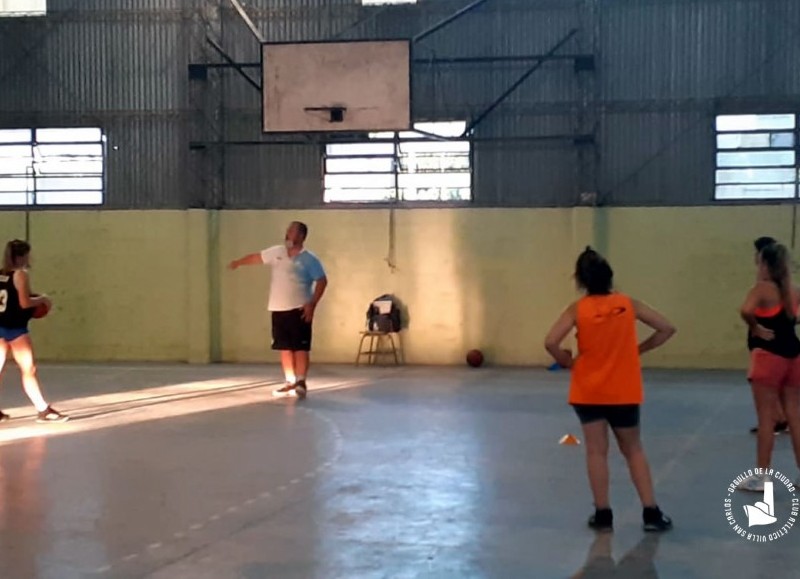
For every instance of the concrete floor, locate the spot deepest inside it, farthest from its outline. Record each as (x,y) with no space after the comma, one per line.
(196,472)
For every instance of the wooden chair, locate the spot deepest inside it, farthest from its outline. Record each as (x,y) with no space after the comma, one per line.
(377,347)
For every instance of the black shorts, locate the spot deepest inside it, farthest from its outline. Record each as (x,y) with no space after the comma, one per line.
(617,415)
(290,331)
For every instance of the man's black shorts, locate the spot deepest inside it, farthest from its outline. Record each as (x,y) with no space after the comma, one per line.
(290,331)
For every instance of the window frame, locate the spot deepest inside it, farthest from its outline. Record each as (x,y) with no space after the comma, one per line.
(34,205)
(396,140)
(794,148)
(32,14)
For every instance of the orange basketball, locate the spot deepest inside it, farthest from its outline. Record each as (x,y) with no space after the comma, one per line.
(40,311)
(474,358)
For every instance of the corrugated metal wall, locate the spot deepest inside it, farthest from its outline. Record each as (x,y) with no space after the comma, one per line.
(664,67)
(117,64)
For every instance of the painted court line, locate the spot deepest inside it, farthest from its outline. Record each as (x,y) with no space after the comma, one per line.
(250,501)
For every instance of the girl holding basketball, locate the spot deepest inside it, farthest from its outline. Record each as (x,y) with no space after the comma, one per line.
(16,309)
(770,310)
(606,388)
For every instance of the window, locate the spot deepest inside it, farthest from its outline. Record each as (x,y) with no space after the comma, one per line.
(51,166)
(23,7)
(431,163)
(757,157)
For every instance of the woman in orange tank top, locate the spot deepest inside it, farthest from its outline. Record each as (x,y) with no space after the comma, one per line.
(606,386)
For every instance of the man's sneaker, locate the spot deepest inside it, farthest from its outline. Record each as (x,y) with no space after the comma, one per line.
(4,417)
(780,428)
(301,389)
(285,390)
(753,484)
(602,520)
(655,521)
(50,414)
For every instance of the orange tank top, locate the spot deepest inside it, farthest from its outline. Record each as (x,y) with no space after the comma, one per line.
(607,370)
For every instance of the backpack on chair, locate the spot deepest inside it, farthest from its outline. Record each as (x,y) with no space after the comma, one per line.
(383,315)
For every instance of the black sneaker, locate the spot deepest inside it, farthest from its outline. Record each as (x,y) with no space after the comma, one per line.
(285,390)
(301,389)
(50,414)
(602,520)
(4,417)
(655,521)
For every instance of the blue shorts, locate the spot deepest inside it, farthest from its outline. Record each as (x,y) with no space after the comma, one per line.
(11,334)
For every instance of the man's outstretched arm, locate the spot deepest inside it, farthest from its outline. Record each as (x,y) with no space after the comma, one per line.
(250,259)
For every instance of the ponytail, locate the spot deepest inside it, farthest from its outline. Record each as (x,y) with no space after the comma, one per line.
(15,250)
(776,258)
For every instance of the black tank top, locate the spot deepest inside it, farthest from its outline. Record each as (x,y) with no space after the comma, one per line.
(786,343)
(11,313)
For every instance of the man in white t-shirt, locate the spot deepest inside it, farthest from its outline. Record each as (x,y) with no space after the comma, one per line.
(298,282)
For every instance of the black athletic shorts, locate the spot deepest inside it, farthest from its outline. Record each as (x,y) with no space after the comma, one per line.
(617,415)
(290,331)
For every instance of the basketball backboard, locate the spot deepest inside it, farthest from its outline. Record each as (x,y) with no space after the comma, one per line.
(336,86)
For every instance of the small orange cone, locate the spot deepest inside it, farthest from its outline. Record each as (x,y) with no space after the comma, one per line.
(569,439)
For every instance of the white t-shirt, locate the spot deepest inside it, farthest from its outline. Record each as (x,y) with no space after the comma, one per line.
(293,278)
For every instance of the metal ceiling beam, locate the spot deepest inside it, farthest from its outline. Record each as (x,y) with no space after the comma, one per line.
(449,20)
(321,140)
(518,58)
(481,117)
(248,22)
(233,64)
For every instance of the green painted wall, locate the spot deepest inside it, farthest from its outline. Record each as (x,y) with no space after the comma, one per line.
(152,285)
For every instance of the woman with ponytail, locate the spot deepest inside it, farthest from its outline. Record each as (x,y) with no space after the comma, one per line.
(16,308)
(606,390)
(770,310)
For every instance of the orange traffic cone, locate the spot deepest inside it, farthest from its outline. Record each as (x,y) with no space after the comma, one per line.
(569,439)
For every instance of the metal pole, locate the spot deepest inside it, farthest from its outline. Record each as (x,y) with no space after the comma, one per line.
(796,185)
(522,59)
(495,59)
(391,254)
(437,27)
(27,202)
(517,84)
(240,9)
(230,61)
(571,138)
